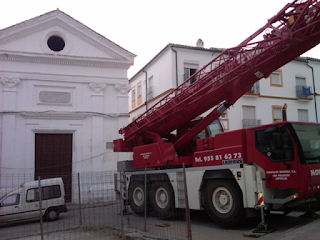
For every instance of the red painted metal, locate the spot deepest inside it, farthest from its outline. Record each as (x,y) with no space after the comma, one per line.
(293,31)
(290,33)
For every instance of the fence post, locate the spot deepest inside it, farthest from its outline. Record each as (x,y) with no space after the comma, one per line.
(122,204)
(80,208)
(126,202)
(145,199)
(40,207)
(189,235)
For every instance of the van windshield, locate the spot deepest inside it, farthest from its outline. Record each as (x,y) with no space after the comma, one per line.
(309,137)
(6,194)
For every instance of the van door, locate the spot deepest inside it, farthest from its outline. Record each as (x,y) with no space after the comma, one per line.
(10,208)
(32,203)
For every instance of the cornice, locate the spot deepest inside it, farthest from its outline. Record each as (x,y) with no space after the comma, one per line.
(55,116)
(65,26)
(63,61)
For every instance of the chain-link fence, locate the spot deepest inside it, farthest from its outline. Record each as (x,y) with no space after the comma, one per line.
(93,205)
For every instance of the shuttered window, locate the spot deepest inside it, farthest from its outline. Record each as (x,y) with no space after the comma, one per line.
(249,112)
(277,113)
(303,115)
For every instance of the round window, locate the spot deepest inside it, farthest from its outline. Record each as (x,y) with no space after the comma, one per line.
(56,43)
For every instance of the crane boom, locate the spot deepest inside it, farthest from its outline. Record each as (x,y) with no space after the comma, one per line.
(287,35)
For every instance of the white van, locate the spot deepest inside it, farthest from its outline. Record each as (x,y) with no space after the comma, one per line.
(23,203)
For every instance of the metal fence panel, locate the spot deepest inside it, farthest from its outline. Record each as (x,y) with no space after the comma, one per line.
(95,210)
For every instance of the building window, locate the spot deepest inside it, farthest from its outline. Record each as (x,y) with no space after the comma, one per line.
(255,89)
(301,81)
(302,90)
(150,88)
(133,97)
(150,81)
(190,68)
(56,43)
(303,115)
(249,117)
(224,120)
(139,93)
(276,78)
(276,113)
(188,72)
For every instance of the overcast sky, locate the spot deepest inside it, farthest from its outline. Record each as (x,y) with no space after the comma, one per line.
(144,27)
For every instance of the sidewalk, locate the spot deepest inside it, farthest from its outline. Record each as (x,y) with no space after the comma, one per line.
(93,233)
(78,234)
(307,232)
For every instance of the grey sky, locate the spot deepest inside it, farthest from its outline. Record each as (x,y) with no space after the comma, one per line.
(144,27)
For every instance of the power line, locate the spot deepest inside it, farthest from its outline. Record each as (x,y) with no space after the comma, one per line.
(60,165)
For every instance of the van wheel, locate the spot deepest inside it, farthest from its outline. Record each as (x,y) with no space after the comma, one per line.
(223,202)
(52,214)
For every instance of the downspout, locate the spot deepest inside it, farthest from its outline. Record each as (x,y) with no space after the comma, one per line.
(177,83)
(314,87)
(146,103)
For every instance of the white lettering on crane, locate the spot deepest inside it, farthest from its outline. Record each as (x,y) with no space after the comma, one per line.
(315,172)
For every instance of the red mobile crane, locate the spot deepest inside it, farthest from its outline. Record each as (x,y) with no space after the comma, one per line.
(280,161)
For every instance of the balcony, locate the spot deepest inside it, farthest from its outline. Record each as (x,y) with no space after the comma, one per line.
(246,123)
(303,92)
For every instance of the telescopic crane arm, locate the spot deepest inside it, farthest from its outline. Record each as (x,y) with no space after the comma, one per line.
(287,35)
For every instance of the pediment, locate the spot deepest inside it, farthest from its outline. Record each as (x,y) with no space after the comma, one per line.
(40,36)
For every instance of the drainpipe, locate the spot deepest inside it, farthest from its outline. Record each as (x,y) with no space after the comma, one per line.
(177,83)
(314,87)
(146,103)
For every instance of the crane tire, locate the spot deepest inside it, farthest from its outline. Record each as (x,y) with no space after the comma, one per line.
(136,194)
(224,203)
(162,200)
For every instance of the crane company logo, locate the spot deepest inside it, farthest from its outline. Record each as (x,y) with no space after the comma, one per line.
(315,172)
(145,155)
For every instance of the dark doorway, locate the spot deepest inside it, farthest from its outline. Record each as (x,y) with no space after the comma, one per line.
(53,158)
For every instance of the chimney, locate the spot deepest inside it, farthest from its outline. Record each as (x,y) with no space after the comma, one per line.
(200,43)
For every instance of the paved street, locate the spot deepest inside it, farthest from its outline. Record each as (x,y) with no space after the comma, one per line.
(286,227)
(102,222)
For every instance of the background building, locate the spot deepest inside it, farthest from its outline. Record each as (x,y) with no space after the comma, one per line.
(63,97)
(294,84)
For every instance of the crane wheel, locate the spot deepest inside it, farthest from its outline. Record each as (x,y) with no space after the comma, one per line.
(162,200)
(223,202)
(136,194)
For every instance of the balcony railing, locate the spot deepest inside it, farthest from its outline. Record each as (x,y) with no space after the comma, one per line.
(250,122)
(303,91)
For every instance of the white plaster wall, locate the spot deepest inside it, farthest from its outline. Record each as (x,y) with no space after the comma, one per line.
(162,74)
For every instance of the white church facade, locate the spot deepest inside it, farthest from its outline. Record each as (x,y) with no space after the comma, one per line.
(63,97)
